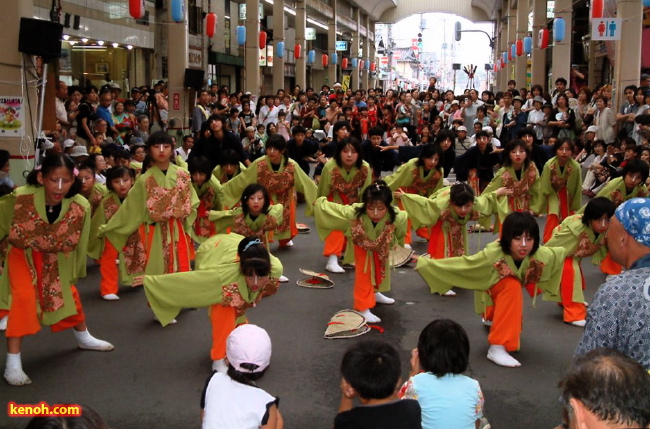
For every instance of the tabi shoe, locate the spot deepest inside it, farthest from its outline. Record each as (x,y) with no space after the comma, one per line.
(383,299)
(500,356)
(171,322)
(220,365)
(88,342)
(283,279)
(14,374)
(110,297)
(370,318)
(3,323)
(449,293)
(289,243)
(486,322)
(579,323)
(333,265)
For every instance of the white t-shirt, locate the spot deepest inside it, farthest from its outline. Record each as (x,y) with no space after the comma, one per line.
(229,404)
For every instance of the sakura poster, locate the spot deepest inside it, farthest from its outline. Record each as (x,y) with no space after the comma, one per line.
(12,117)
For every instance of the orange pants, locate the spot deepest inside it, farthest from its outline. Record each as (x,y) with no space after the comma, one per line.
(436,247)
(552,221)
(364,292)
(335,244)
(23,318)
(609,266)
(506,314)
(108,270)
(223,323)
(573,311)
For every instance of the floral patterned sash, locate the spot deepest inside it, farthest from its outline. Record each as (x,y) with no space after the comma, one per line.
(133,252)
(520,198)
(95,200)
(379,246)
(348,191)
(558,182)
(585,246)
(456,238)
(532,275)
(280,184)
(242,228)
(202,225)
(424,187)
(231,297)
(30,231)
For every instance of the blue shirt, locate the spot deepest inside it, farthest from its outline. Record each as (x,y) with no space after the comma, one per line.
(105,113)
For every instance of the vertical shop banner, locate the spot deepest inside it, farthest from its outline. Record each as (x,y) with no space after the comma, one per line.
(12,117)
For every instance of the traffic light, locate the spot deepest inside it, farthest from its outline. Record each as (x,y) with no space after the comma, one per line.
(420,41)
(457,32)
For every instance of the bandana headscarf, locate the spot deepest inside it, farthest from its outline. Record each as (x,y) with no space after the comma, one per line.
(634,215)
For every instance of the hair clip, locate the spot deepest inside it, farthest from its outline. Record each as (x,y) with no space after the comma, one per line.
(75,172)
(377,185)
(250,243)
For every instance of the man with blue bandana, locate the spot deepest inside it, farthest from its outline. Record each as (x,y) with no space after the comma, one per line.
(619,316)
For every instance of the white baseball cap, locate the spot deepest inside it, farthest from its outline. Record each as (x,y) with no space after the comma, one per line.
(78,151)
(592,129)
(488,130)
(68,143)
(462,128)
(248,349)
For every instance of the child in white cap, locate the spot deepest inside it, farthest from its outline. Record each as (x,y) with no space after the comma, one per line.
(233,400)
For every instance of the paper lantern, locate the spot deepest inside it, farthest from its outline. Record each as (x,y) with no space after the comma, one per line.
(210,24)
(335,58)
(311,57)
(344,63)
(513,52)
(528,45)
(542,39)
(136,8)
(296,50)
(520,47)
(558,29)
(504,58)
(262,39)
(597,8)
(241,35)
(279,50)
(646,3)
(355,63)
(325,59)
(502,65)
(373,66)
(178,10)
(362,64)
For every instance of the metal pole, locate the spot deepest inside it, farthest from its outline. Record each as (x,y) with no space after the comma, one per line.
(39,127)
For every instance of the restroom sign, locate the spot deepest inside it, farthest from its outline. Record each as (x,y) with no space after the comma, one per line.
(606,28)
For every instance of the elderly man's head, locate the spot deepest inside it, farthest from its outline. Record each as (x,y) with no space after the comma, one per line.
(628,238)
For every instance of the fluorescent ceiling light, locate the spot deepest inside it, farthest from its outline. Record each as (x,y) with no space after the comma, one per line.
(317,23)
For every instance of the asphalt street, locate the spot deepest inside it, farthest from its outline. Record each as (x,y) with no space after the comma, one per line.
(155,375)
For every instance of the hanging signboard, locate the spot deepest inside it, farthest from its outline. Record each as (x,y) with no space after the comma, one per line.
(310,33)
(606,29)
(341,45)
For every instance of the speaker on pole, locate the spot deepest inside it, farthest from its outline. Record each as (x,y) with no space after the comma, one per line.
(456,66)
(194,78)
(40,38)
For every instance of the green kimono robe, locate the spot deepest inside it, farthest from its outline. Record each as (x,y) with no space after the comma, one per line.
(217,279)
(132,262)
(223,177)
(96,196)
(210,196)
(280,184)
(71,264)
(427,212)
(579,241)
(146,205)
(336,217)
(526,193)
(332,176)
(486,268)
(414,179)
(552,180)
(262,226)
(616,192)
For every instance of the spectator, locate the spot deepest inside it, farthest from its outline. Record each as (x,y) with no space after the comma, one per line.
(5,167)
(604,119)
(605,389)
(371,371)
(186,147)
(619,316)
(201,112)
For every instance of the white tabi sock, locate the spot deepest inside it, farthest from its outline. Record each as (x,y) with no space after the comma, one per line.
(88,342)
(14,371)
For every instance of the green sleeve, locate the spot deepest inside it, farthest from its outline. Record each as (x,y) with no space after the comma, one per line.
(401,222)
(332,217)
(128,219)
(402,177)
(217,202)
(325,181)
(574,186)
(368,178)
(7,204)
(553,258)
(306,186)
(564,236)
(496,182)
(81,252)
(223,219)
(421,210)
(486,203)
(233,189)
(607,190)
(545,179)
(95,243)
(537,200)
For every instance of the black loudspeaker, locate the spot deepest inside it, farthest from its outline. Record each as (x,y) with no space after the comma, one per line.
(194,78)
(456,66)
(40,38)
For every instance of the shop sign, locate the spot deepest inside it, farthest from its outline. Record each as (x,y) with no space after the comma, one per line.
(195,57)
(341,45)
(242,12)
(177,101)
(269,55)
(262,57)
(310,33)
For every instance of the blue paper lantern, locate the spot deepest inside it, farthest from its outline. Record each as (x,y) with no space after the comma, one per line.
(280,50)
(311,57)
(241,35)
(178,10)
(528,45)
(558,29)
(335,58)
(504,56)
(646,3)
(355,63)
(513,51)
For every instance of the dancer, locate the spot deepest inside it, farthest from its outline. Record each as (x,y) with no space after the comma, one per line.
(232,274)
(253,217)
(375,226)
(91,190)
(582,235)
(282,177)
(208,189)
(499,271)
(47,225)
(423,176)
(119,181)
(342,181)
(560,186)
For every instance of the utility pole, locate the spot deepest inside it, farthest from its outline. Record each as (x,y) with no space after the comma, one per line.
(389,51)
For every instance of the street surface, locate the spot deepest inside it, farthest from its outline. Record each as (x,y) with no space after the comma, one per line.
(155,375)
